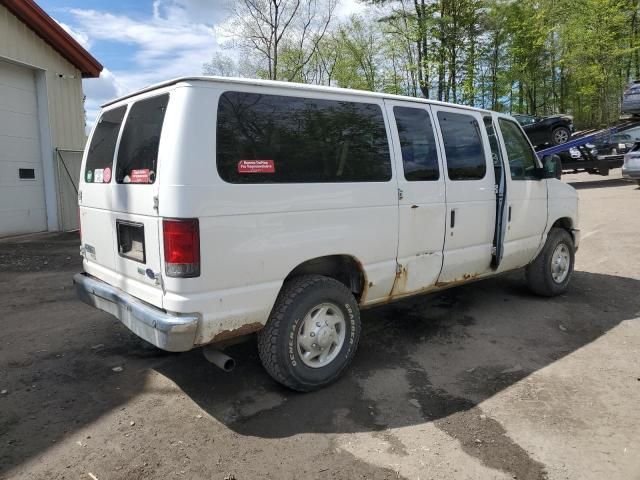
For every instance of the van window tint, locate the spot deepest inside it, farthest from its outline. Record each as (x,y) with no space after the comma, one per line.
(462,146)
(138,151)
(280,139)
(103,146)
(522,161)
(417,142)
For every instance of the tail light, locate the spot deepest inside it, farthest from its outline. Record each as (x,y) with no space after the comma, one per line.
(181,247)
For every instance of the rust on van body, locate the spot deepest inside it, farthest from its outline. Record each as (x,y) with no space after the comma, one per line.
(238,332)
(398,290)
(400,282)
(457,281)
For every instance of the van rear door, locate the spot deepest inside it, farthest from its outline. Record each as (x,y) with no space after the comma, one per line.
(118,203)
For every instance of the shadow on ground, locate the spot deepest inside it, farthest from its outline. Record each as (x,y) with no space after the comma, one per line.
(428,359)
(455,331)
(602,183)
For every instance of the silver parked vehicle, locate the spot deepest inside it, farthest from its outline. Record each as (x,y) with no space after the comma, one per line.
(631,98)
(631,166)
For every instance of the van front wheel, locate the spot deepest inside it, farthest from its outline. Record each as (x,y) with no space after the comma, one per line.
(312,333)
(550,272)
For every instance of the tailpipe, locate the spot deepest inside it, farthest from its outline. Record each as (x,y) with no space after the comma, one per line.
(219,359)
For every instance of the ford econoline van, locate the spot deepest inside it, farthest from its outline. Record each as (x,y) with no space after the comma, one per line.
(216,208)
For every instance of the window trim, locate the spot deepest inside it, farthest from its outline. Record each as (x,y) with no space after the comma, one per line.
(310,95)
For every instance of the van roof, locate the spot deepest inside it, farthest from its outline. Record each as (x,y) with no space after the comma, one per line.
(287,85)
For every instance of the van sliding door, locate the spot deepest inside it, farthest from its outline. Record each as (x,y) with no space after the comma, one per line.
(422,206)
(471,200)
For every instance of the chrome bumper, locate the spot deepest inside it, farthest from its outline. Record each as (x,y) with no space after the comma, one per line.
(169,332)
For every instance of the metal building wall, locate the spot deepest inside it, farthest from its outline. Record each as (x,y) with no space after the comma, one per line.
(62,85)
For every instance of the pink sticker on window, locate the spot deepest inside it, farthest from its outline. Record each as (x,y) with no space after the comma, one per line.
(140,176)
(106,175)
(256,166)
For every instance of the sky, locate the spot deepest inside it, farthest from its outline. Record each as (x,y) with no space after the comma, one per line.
(142,42)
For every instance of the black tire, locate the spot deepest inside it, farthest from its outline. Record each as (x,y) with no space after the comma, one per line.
(277,341)
(539,274)
(558,133)
(603,168)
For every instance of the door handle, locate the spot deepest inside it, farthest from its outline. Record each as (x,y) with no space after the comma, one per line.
(453,218)
(509,215)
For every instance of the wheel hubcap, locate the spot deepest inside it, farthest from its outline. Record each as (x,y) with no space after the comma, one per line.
(321,335)
(560,263)
(561,136)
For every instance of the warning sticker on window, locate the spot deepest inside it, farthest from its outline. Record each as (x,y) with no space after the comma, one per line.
(139,176)
(256,166)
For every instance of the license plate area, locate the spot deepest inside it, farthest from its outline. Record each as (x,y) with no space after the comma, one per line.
(131,240)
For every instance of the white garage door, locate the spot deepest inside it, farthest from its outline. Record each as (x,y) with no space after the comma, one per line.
(22,203)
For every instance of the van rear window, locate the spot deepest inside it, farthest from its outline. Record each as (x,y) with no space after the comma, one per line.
(138,151)
(103,146)
(281,139)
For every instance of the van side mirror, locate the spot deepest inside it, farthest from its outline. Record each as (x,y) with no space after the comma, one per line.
(551,166)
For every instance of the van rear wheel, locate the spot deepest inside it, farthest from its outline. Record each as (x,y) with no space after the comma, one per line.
(551,271)
(312,333)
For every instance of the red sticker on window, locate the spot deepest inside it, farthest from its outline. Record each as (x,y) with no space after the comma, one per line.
(140,176)
(106,175)
(256,166)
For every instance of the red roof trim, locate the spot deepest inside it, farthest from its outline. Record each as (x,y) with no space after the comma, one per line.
(52,33)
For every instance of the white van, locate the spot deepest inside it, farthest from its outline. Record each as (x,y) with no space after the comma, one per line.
(214,208)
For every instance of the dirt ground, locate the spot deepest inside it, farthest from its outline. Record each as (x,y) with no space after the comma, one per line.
(484,381)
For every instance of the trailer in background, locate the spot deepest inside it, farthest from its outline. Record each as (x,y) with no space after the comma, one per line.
(584,142)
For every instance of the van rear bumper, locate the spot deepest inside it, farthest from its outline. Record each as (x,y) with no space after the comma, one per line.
(168,332)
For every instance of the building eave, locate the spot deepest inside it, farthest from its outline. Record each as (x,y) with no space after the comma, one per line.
(51,32)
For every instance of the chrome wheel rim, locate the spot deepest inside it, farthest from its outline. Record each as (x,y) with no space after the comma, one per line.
(560,263)
(561,136)
(321,335)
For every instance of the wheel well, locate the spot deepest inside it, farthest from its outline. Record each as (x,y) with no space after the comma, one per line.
(343,268)
(565,223)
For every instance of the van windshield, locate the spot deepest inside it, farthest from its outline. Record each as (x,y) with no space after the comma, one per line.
(103,146)
(138,151)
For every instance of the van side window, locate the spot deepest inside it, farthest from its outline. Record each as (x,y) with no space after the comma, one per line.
(282,139)
(522,161)
(417,142)
(103,145)
(138,151)
(462,146)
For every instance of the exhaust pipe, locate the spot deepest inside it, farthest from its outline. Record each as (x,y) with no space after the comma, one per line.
(219,359)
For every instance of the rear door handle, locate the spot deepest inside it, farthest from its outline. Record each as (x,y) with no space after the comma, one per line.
(453,218)
(509,216)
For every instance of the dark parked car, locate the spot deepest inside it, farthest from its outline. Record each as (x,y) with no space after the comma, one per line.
(631,98)
(556,129)
(617,144)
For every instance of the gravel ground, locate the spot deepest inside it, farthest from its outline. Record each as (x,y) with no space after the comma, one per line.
(484,381)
